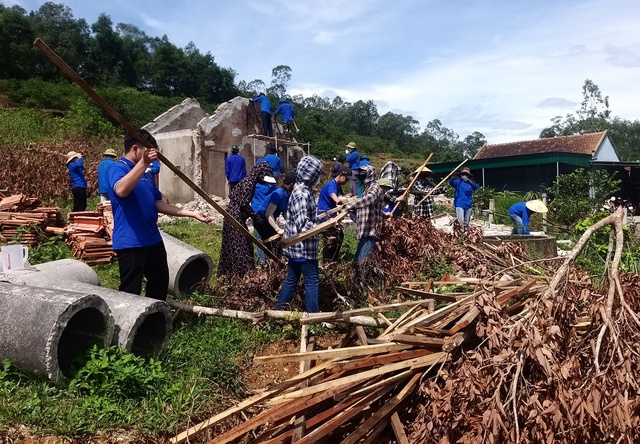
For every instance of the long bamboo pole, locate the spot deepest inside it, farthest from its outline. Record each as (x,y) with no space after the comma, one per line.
(441,182)
(401,198)
(102,103)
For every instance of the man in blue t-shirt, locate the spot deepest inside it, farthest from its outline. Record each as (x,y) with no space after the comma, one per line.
(75,165)
(330,198)
(136,201)
(265,113)
(235,168)
(288,114)
(275,162)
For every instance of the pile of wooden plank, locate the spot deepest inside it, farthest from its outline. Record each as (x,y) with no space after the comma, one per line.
(354,393)
(89,237)
(22,217)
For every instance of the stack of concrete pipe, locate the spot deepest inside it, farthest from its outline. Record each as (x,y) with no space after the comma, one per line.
(56,292)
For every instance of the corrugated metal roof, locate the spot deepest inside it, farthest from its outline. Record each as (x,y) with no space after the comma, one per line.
(578,144)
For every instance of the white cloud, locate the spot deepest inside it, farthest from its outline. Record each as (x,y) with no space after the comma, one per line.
(152,22)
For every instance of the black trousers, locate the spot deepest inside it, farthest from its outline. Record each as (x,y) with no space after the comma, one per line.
(265,230)
(79,199)
(150,262)
(267,129)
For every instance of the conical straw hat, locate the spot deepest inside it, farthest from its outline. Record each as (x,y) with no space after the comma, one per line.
(537,205)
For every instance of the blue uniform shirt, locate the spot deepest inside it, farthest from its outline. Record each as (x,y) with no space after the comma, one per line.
(261,195)
(76,173)
(325,203)
(280,198)
(103,179)
(135,217)
(463,197)
(235,168)
(287,111)
(354,160)
(276,164)
(265,104)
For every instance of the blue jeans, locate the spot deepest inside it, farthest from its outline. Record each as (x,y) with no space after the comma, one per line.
(308,269)
(363,254)
(464,216)
(519,226)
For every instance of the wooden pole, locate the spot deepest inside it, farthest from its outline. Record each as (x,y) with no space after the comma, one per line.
(441,182)
(401,198)
(55,58)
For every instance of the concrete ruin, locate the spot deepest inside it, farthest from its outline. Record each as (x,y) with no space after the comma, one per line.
(198,145)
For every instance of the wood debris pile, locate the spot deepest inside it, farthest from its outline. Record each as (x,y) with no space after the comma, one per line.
(24,219)
(533,353)
(89,234)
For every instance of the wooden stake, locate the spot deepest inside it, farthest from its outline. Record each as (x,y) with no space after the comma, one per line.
(134,132)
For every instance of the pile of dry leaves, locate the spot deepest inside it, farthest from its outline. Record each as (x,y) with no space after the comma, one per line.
(564,370)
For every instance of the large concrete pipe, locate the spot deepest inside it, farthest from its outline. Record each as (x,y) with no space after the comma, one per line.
(43,331)
(188,266)
(142,325)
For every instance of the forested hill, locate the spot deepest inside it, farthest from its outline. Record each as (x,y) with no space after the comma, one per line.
(142,76)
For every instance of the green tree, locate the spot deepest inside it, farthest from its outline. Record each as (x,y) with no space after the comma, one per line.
(136,57)
(280,78)
(106,55)
(168,67)
(16,37)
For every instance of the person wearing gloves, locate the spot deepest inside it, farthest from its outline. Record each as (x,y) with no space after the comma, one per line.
(421,187)
(263,190)
(136,202)
(236,252)
(110,157)
(276,204)
(329,198)
(265,113)
(521,212)
(368,213)
(464,187)
(302,256)
(353,159)
(235,168)
(75,166)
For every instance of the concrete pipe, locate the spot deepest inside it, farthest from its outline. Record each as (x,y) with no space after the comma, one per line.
(142,325)
(43,331)
(188,266)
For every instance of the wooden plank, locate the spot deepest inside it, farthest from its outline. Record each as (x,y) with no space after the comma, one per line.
(362,336)
(465,321)
(441,182)
(268,393)
(300,422)
(416,340)
(373,361)
(416,363)
(504,297)
(384,412)
(404,195)
(288,241)
(348,352)
(427,294)
(398,429)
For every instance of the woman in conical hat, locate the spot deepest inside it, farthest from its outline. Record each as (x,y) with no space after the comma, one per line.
(521,212)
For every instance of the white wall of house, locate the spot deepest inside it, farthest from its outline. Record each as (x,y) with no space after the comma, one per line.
(606,153)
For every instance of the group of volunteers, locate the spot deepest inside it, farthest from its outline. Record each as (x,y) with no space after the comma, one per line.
(284,109)
(263,194)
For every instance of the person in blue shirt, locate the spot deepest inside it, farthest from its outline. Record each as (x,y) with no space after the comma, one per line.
(521,212)
(329,198)
(353,159)
(110,157)
(235,168)
(154,169)
(270,208)
(364,160)
(288,114)
(275,162)
(263,190)
(136,202)
(464,187)
(75,165)
(265,112)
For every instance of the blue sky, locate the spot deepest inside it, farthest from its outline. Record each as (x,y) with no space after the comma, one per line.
(503,68)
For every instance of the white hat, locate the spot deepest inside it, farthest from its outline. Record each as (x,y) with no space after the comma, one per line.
(71,155)
(537,205)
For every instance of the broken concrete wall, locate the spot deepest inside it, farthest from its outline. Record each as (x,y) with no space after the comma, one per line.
(198,145)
